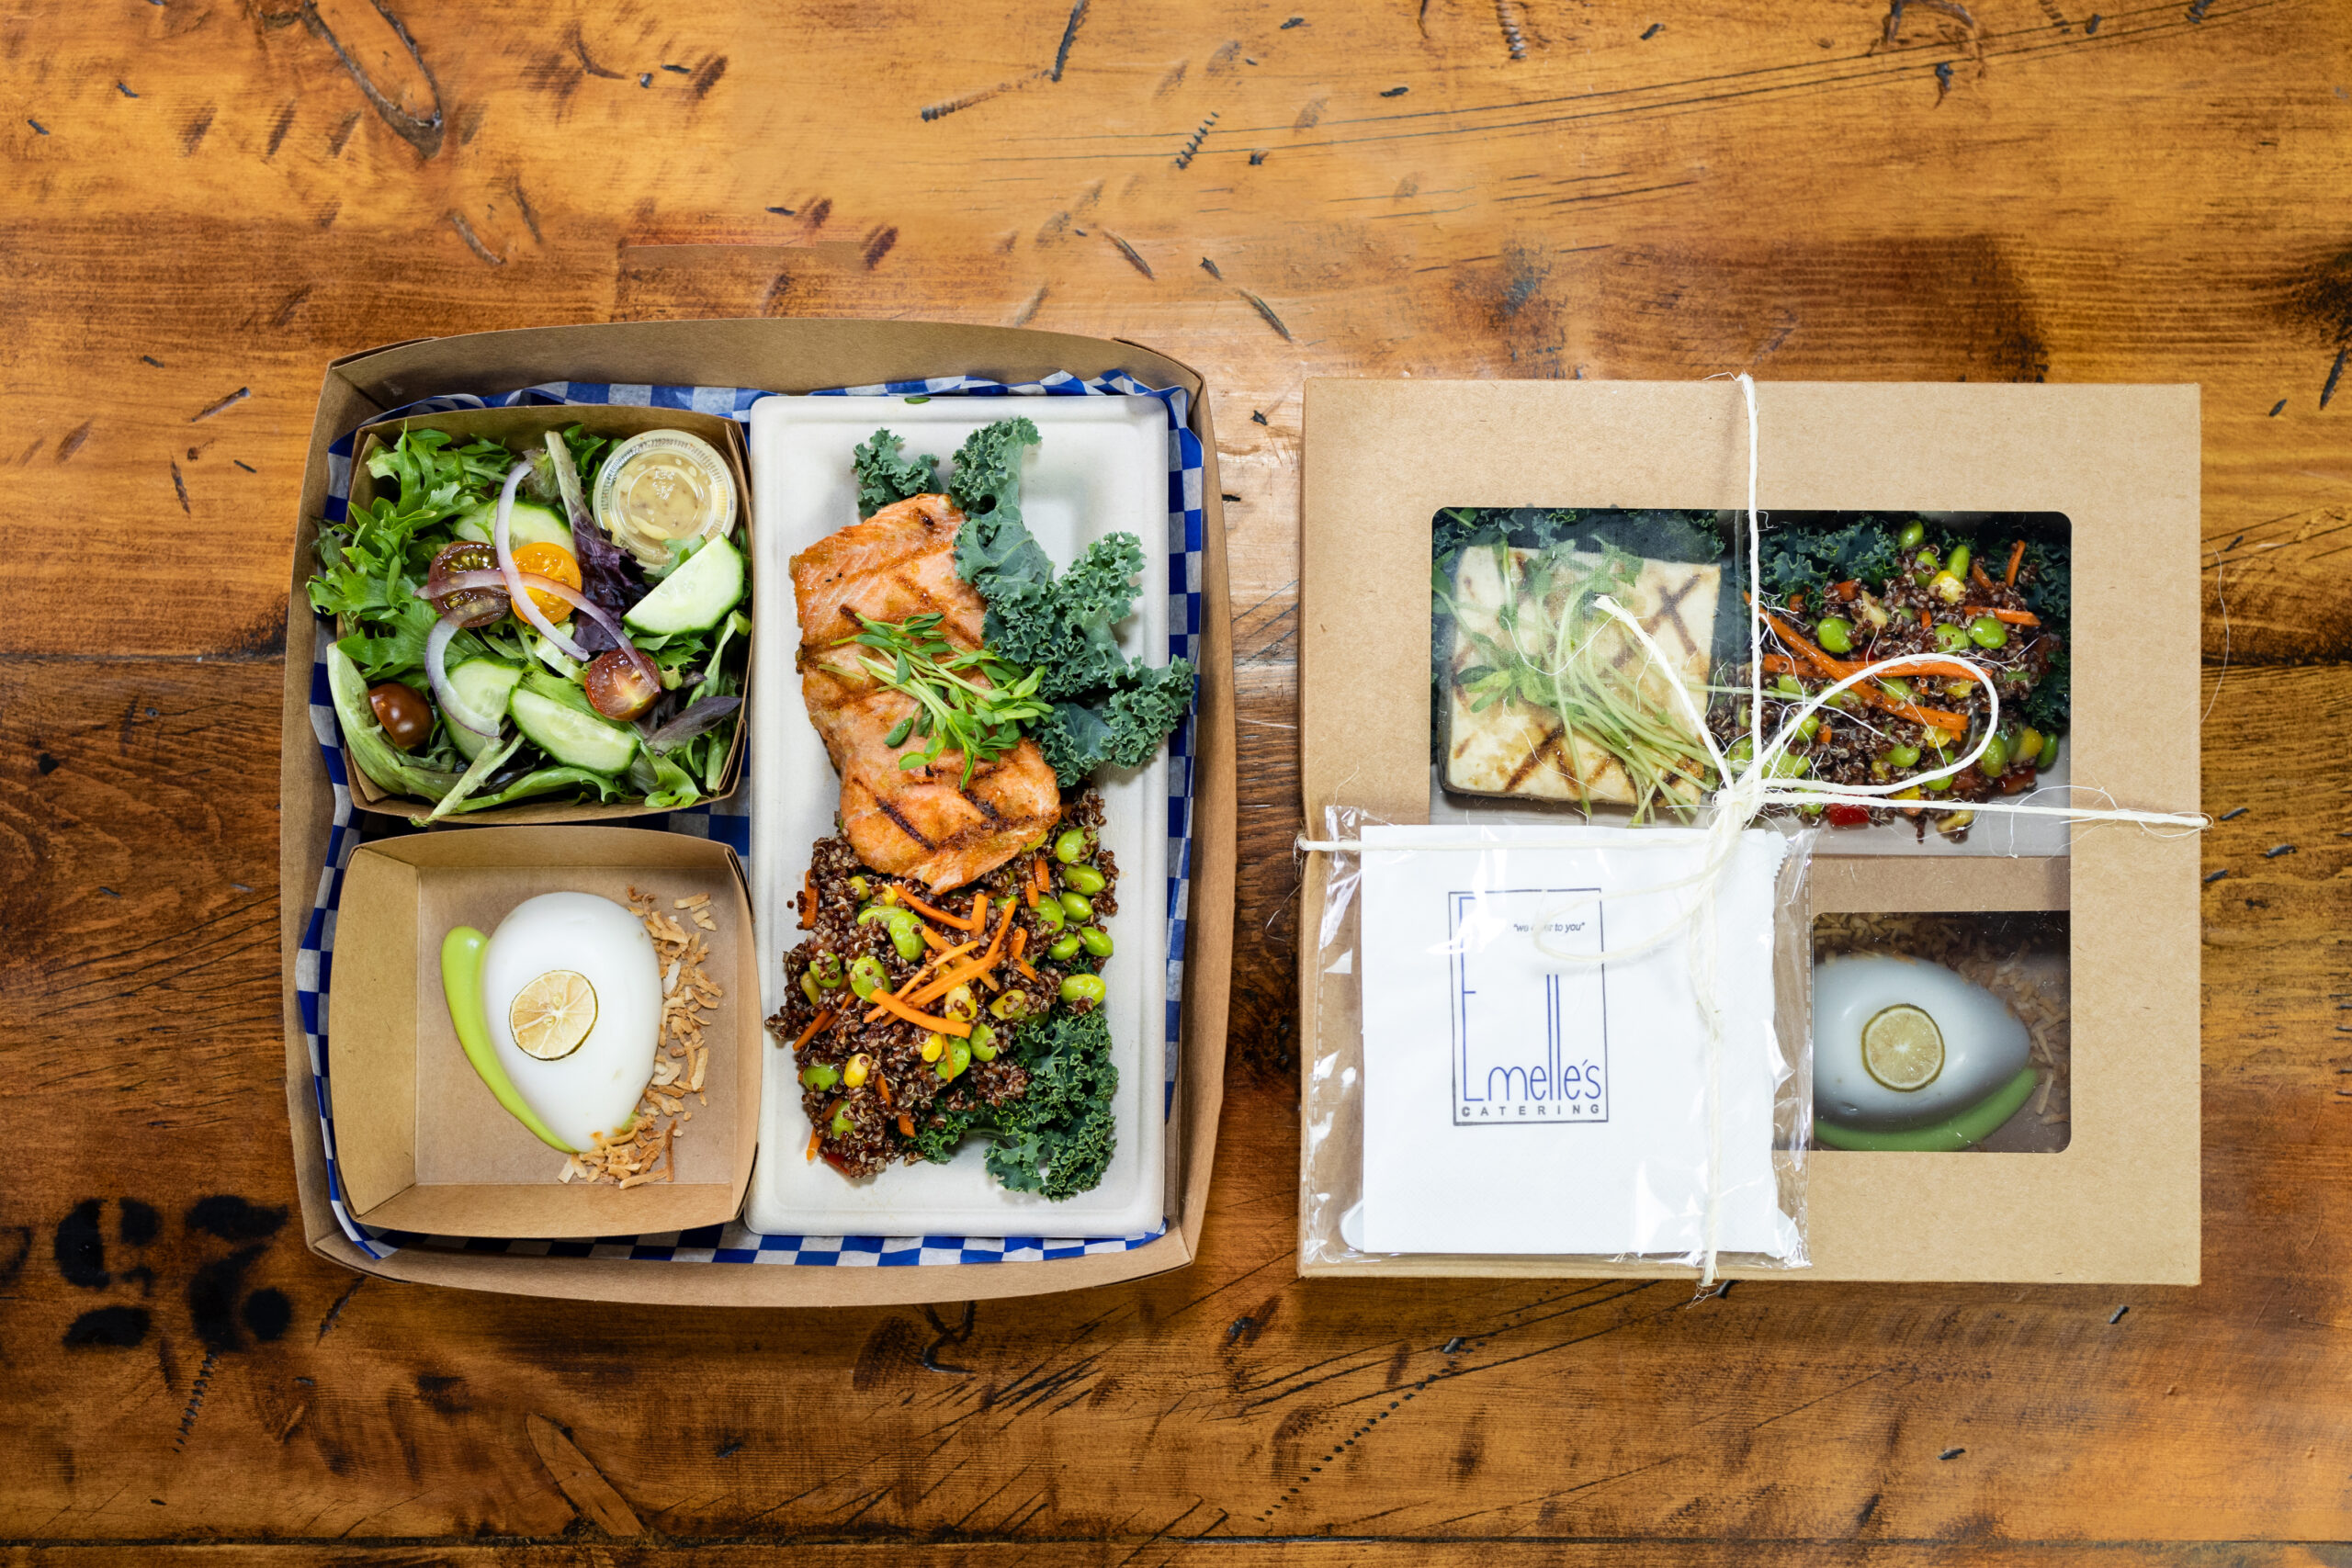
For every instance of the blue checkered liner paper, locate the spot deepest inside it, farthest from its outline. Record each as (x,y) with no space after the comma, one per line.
(727,822)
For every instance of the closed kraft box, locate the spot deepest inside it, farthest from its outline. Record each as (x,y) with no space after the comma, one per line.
(2120,1202)
(783,356)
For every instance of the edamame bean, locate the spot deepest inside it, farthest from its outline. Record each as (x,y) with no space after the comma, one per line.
(1936,787)
(1899,689)
(1065,948)
(1809,726)
(1912,534)
(1084,989)
(1070,846)
(958,1058)
(1927,560)
(821,1077)
(1947,588)
(1995,760)
(1789,685)
(1986,631)
(1078,905)
(842,1122)
(808,988)
(1012,1007)
(1049,914)
(865,976)
(1958,565)
(1951,639)
(1084,879)
(906,938)
(2029,747)
(1096,940)
(983,1043)
(828,971)
(1902,756)
(1835,634)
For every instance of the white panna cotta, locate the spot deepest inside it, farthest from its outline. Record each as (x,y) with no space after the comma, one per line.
(572,992)
(1899,1042)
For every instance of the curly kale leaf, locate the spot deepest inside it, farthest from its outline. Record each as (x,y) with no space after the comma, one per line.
(987,469)
(1074,743)
(1065,627)
(884,477)
(2050,703)
(1123,728)
(1058,1138)
(936,1139)
(1805,560)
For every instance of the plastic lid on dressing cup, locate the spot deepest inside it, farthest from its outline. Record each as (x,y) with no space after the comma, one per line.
(662,490)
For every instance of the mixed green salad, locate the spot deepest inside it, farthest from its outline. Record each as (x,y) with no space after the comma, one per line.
(498,645)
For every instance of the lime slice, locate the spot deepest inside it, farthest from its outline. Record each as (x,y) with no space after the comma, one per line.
(553,1014)
(1902,1047)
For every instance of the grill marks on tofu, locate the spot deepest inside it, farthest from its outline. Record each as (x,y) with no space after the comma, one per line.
(924,823)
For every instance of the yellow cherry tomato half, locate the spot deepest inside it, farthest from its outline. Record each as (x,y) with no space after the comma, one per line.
(555,563)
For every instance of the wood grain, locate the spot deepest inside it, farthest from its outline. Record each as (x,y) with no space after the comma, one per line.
(205,203)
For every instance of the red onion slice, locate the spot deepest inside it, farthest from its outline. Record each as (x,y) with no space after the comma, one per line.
(461,582)
(514,576)
(453,707)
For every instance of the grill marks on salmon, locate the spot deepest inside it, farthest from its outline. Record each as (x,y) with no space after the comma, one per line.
(921,823)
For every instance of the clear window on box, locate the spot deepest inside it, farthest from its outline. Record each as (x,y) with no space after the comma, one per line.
(1542,703)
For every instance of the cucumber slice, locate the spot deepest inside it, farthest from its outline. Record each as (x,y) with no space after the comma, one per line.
(530,526)
(483,685)
(696,596)
(572,736)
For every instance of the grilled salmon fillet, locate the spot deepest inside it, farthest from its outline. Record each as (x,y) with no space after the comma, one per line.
(919,822)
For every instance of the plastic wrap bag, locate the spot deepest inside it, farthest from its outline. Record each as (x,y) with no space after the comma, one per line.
(1682,1127)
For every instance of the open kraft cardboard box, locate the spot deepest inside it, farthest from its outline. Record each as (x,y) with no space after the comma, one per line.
(422,1144)
(2120,1202)
(524,428)
(782,355)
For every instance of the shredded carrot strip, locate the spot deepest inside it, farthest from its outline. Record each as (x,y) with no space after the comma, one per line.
(906,1125)
(1796,603)
(884,1085)
(938,944)
(807,899)
(1043,875)
(824,1021)
(942,916)
(1847,589)
(1774,664)
(1976,575)
(1030,892)
(815,1139)
(997,944)
(1023,965)
(957,1027)
(980,913)
(906,986)
(1926,619)
(2015,617)
(1020,940)
(2017,559)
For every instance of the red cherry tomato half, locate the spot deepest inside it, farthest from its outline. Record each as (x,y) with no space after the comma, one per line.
(407,719)
(618,686)
(1842,814)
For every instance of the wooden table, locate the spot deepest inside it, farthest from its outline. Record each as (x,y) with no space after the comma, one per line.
(204,202)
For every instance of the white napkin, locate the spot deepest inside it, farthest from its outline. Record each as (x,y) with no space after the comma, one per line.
(1518,1104)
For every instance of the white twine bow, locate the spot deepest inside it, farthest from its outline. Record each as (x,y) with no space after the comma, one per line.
(1742,797)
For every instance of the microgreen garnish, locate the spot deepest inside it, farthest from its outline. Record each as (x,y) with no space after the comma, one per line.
(967,700)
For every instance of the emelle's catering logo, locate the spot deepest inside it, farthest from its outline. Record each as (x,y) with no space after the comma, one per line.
(1531,1042)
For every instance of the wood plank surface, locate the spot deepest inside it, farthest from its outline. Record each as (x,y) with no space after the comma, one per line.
(204,203)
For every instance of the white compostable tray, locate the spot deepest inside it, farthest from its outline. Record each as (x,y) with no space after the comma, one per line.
(1100,468)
